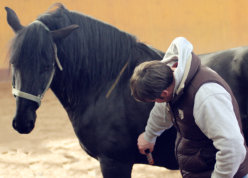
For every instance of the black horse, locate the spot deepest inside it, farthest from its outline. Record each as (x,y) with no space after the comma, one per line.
(82,63)
(82,58)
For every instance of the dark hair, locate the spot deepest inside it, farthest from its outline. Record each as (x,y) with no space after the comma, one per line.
(150,79)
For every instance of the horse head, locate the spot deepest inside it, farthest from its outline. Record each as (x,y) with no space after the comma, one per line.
(34,61)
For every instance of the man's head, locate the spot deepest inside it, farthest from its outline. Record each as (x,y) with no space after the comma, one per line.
(152,81)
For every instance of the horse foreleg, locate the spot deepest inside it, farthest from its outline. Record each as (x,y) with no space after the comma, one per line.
(112,168)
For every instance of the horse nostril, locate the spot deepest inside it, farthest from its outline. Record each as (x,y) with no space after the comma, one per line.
(14,124)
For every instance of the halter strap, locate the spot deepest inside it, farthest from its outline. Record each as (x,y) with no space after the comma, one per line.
(56,57)
(28,96)
(54,45)
(38,98)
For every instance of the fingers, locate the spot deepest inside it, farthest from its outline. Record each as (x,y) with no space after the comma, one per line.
(145,149)
(142,148)
(144,145)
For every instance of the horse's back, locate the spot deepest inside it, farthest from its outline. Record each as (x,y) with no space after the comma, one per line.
(232,66)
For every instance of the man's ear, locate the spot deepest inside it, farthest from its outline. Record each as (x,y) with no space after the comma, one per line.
(164,94)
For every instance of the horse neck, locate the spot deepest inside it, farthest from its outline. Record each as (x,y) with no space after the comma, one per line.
(66,91)
(75,90)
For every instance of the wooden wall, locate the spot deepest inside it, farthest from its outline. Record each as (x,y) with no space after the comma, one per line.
(209,24)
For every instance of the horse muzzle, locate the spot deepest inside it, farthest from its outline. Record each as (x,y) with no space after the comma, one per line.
(24,125)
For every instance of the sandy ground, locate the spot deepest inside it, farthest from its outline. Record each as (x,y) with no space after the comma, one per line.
(51,150)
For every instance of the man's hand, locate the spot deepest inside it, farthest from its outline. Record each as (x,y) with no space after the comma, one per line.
(144,145)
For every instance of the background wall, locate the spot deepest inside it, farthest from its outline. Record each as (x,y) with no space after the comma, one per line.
(209,24)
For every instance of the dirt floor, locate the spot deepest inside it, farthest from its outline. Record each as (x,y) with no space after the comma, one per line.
(51,150)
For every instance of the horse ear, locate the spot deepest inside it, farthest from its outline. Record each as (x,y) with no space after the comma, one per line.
(63,32)
(13,20)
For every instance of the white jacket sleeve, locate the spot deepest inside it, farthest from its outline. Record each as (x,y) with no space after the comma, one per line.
(213,112)
(158,121)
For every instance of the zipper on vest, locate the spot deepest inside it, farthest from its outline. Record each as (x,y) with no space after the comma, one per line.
(178,140)
(175,116)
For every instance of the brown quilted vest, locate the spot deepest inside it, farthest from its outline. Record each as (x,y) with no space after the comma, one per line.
(195,152)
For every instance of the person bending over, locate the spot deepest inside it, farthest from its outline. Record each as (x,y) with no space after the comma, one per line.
(200,105)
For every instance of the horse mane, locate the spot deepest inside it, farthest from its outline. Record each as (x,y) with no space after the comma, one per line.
(98,50)
(95,52)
